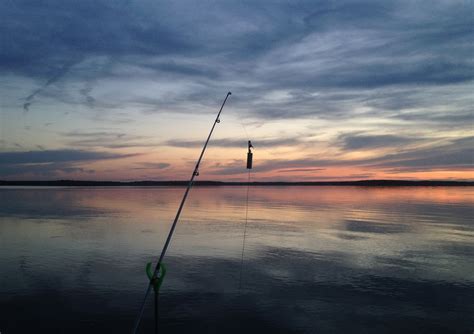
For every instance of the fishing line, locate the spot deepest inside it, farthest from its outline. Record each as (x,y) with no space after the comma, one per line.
(245,231)
(243,127)
(249,167)
(246,203)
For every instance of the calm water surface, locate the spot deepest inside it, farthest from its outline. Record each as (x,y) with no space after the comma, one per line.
(317,260)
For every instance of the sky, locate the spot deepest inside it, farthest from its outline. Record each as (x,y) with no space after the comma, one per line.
(326,90)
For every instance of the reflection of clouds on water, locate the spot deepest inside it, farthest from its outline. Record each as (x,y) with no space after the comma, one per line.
(38,203)
(286,291)
(317,259)
(375,227)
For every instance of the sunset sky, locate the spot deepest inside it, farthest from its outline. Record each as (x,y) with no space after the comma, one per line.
(326,90)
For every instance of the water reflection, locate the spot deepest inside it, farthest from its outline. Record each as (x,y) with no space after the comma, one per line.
(317,260)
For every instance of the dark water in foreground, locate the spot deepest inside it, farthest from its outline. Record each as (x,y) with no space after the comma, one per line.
(317,260)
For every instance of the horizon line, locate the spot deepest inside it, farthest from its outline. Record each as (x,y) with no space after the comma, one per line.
(367,182)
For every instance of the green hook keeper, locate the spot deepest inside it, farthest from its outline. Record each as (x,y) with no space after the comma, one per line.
(156,281)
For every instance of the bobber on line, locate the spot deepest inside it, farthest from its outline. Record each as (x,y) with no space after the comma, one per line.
(249,156)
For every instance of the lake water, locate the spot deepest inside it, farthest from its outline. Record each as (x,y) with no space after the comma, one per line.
(316,260)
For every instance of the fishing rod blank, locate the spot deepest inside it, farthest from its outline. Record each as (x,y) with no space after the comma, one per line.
(178,213)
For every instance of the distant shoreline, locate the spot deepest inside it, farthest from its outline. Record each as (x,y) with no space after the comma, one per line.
(362,183)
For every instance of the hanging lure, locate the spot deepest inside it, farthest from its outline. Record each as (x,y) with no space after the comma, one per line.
(249,156)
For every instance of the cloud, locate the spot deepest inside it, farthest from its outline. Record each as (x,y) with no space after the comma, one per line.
(50,162)
(385,74)
(292,170)
(60,72)
(152,165)
(48,156)
(367,142)
(106,139)
(258,48)
(91,27)
(237,143)
(445,155)
(269,165)
(456,154)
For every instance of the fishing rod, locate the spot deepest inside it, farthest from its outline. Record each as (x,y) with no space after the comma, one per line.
(155,280)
